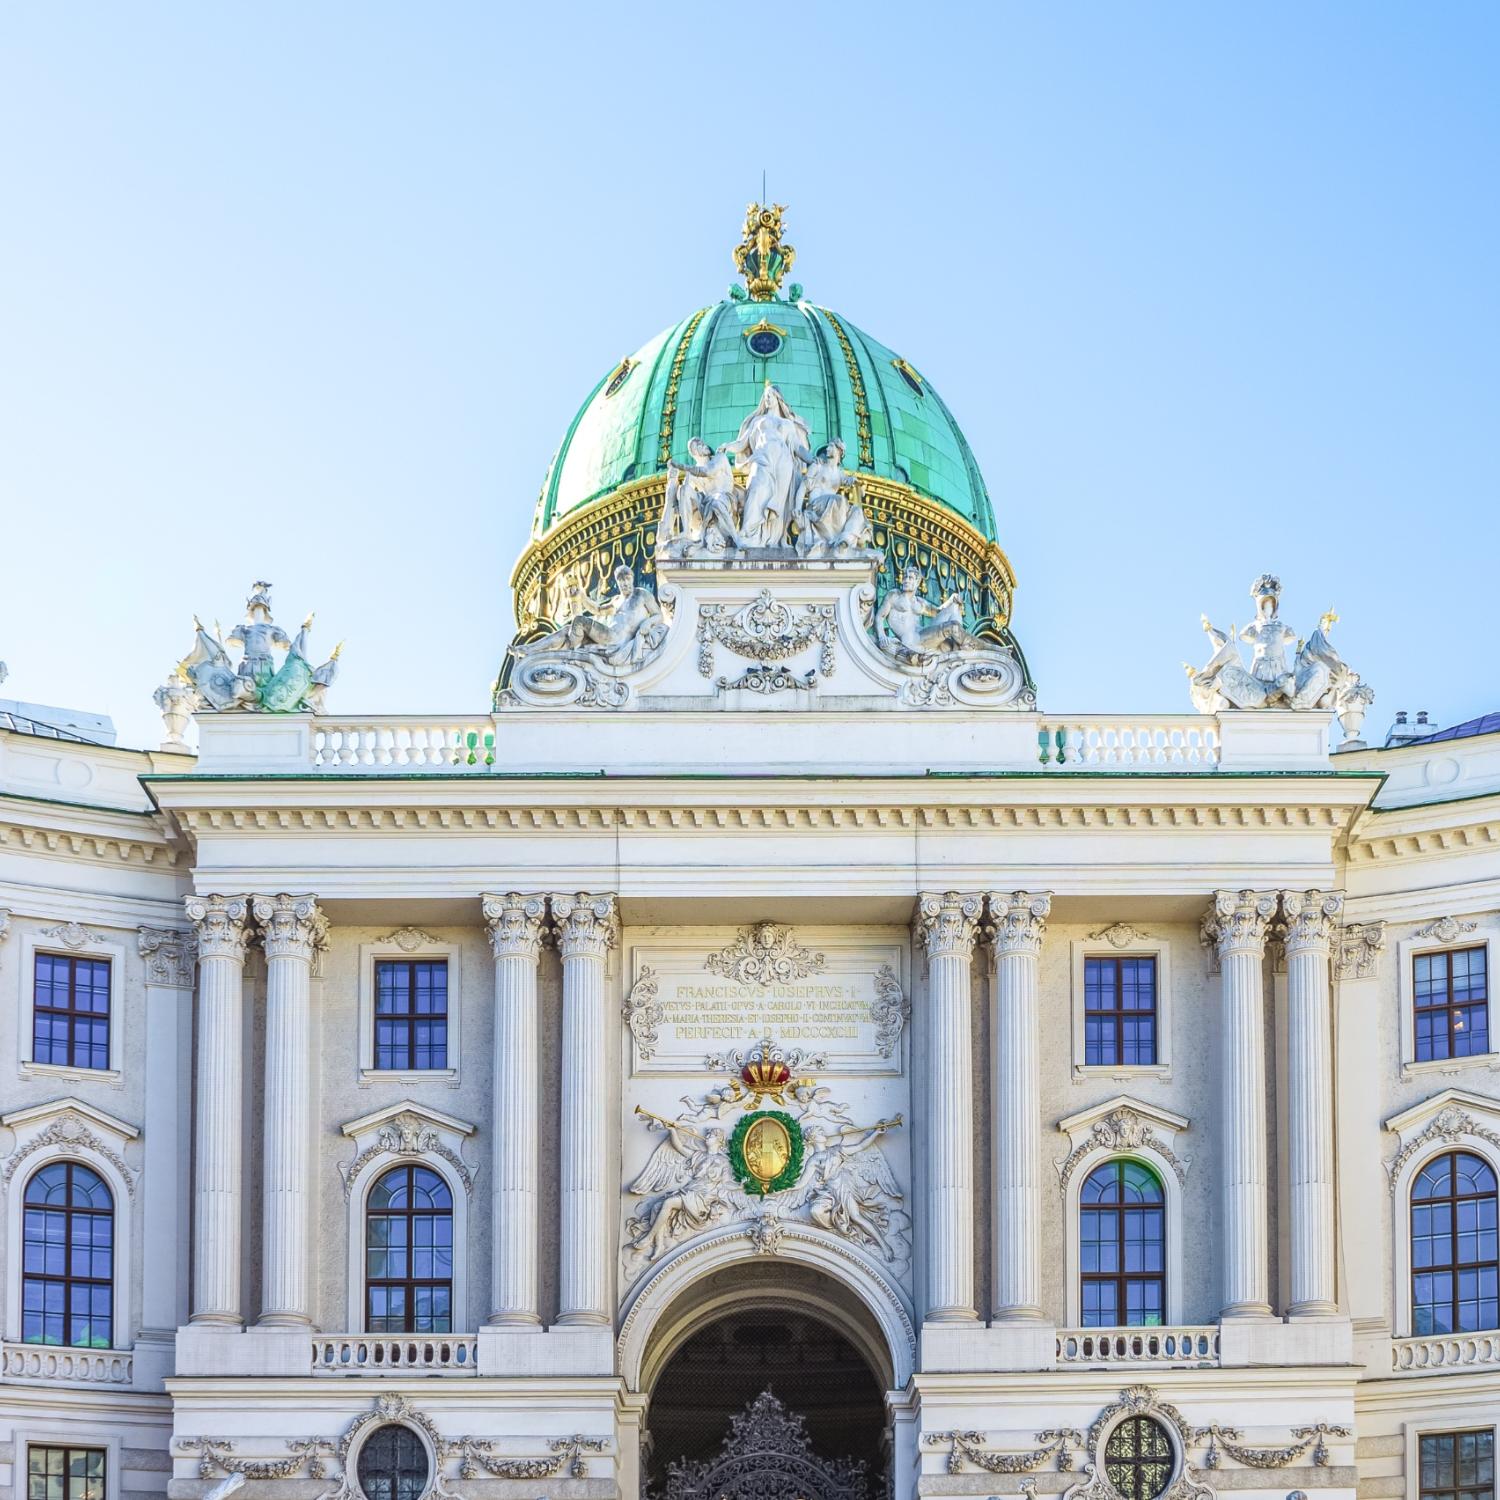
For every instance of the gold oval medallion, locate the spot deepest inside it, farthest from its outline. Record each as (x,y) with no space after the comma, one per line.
(768,1149)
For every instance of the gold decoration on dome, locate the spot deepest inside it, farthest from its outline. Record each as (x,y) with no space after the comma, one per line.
(857,385)
(761,257)
(674,381)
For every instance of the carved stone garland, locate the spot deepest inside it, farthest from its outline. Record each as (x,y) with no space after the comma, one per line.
(68,1131)
(968,1447)
(216,1455)
(891,1010)
(766,630)
(407,1135)
(1121,1130)
(478,1453)
(1450,1126)
(642,1014)
(1223,1440)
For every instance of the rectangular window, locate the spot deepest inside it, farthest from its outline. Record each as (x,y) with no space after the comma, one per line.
(1450,994)
(411,1015)
(64,1473)
(70,1011)
(1119,1012)
(1458,1466)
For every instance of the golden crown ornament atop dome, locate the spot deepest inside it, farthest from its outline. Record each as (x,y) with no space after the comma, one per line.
(760,257)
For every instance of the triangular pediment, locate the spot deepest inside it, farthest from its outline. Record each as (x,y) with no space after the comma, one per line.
(1083,1122)
(392,1115)
(36,1115)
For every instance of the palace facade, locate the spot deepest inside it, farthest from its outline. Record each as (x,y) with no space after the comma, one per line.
(765,1054)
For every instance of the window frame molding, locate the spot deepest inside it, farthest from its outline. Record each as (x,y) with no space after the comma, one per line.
(357,1447)
(25,1437)
(429,949)
(1423,1137)
(95,946)
(1409,949)
(377,1153)
(1133,944)
(1434,1424)
(83,1148)
(1090,1146)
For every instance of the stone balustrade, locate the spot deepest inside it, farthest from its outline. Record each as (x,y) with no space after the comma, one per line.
(404,743)
(1462,1351)
(66,1365)
(396,1354)
(1116,742)
(1138,1346)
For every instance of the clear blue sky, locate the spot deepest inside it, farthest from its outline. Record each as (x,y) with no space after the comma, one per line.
(309,292)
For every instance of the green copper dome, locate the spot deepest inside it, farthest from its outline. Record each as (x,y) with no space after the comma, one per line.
(703,376)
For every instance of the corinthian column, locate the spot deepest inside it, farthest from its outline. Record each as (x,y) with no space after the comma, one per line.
(946,927)
(1311,918)
(586,929)
(515,926)
(293,929)
(1018,918)
(220,924)
(1237,928)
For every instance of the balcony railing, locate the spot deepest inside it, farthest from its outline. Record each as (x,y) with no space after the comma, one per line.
(1461,1351)
(403,744)
(52,1362)
(1138,1346)
(395,1354)
(1120,742)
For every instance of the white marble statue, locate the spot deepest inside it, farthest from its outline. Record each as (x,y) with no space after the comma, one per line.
(773,442)
(909,627)
(688,1184)
(701,515)
(618,631)
(831,516)
(852,1191)
(1318,677)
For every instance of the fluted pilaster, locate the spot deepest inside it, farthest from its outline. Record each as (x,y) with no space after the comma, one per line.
(587,928)
(516,925)
(946,928)
(1018,919)
(292,930)
(220,924)
(1310,920)
(1236,927)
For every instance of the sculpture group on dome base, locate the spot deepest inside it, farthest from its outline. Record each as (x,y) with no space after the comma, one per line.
(1318,677)
(274,673)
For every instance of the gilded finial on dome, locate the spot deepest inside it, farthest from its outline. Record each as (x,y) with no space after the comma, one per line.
(761,257)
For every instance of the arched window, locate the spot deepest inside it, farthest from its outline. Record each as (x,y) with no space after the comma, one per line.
(1455,1262)
(409,1253)
(393,1464)
(1122,1231)
(68,1258)
(1138,1458)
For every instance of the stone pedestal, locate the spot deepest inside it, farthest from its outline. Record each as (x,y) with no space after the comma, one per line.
(516,924)
(946,928)
(220,923)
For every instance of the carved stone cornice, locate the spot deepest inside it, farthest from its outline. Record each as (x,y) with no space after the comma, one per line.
(1357,946)
(1309,920)
(222,925)
(169,953)
(1018,920)
(1238,922)
(947,925)
(587,926)
(516,924)
(291,926)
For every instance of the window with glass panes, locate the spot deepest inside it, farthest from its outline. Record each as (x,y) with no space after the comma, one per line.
(1457,1466)
(56,1473)
(1455,1255)
(1138,1458)
(409,1253)
(1122,1223)
(67,1258)
(393,1464)
(1119,1011)
(1451,999)
(70,1011)
(411,1014)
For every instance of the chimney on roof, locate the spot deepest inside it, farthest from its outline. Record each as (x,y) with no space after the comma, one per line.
(1401,731)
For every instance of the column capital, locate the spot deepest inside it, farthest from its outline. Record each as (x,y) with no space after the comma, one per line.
(1309,920)
(516,924)
(169,954)
(948,923)
(1018,919)
(222,924)
(291,926)
(1237,922)
(1358,943)
(587,926)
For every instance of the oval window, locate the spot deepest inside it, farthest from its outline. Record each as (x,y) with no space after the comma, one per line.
(1138,1458)
(393,1464)
(764,342)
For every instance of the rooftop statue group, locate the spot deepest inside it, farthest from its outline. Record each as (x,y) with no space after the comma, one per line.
(206,678)
(1318,676)
(767,492)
